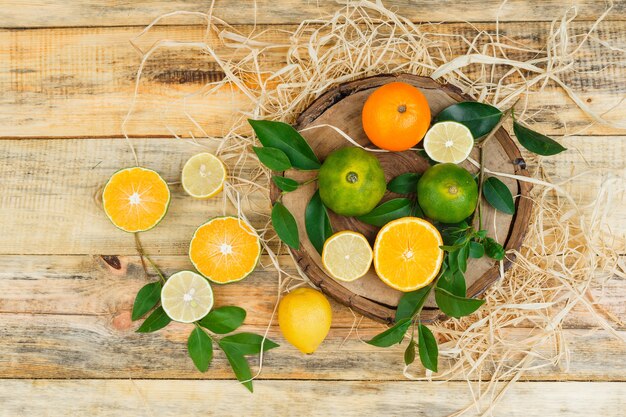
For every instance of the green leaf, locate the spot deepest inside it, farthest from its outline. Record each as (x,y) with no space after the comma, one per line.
(387,211)
(409,353)
(248,343)
(317,222)
(284,137)
(416,210)
(224,319)
(493,249)
(479,118)
(455,306)
(392,335)
(411,302)
(451,248)
(429,351)
(476,249)
(453,282)
(481,234)
(146,299)
(200,348)
(285,184)
(536,142)
(498,195)
(453,257)
(462,255)
(155,321)
(273,158)
(239,364)
(404,183)
(285,225)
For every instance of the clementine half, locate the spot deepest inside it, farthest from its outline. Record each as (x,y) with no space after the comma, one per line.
(396,116)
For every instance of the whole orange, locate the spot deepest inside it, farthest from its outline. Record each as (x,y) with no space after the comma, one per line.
(396,116)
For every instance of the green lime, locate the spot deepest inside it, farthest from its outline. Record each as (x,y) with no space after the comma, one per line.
(447,193)
(351,182)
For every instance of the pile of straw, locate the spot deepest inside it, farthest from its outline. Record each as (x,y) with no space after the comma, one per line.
(569,249)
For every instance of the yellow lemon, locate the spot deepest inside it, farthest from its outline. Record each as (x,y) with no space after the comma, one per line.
(304,317)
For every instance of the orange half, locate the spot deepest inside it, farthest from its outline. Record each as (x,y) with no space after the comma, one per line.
(407,253)
(225,249)
(136,199)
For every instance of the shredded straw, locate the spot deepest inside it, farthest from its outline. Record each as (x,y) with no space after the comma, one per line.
(569,250)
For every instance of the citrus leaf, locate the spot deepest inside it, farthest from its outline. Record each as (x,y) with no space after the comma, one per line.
(493,249)
(453,260)
(404,183)
(409,353)
(317,222)
(155,321)
(248,343)
(285,225)
(416,210)
(455,306)
(428,349)
(453,282)
(273,158)
(536,142)
(392,335)
(146,299)
(284,137)
(387,211)
(462,255)
(239,364)
(411,302)
(200,348)
(224,319)
(479,118)
(476,250)
(498,195)
(285,184)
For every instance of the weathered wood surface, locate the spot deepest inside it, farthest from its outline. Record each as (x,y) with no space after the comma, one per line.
(78,82)
(105,13)
(41,191)
(173,398)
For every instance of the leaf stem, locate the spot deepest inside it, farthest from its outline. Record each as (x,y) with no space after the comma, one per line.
(308,181)
(143,255)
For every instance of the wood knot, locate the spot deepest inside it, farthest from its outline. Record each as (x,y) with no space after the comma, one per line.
(113,261)
(122,321)
(519,162)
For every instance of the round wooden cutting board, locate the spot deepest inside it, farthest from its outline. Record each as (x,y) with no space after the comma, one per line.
(341,107)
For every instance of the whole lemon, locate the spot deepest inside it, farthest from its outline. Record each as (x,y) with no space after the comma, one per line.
(351,182)
(447,193)
(304,317)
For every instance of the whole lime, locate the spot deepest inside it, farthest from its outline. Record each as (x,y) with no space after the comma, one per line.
(351,182)
(447,193)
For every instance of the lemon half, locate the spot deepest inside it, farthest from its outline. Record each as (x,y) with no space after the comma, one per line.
(347,256)
(203,175)
(448,142)
(186,297)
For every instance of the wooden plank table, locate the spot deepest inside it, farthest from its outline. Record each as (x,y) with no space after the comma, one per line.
(67,345)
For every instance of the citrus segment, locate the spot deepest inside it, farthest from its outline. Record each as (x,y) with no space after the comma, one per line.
(407,253)
(203,175)
(135,199)
(347,256)
(448,142)
(225,249)
(186,297)
(304,318)
(396,116)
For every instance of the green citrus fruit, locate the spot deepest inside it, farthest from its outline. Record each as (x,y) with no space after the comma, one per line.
(447,193)
(351,182)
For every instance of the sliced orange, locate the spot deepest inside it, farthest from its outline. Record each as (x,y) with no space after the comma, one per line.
(136,199)
(225,249)
(407,253)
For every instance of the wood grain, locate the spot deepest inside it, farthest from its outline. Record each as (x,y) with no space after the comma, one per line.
(41,192)
(78,82)
(105,13)
(346,398)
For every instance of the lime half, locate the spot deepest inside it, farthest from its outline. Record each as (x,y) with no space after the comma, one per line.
(448,142)
(203,175)
(347,256)
(186,297)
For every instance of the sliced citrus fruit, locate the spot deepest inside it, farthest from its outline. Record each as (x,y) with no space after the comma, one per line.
(448,142)
(186,297)
(203,175)
(136,199)
(347,256)
(225,249)
(407,253)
